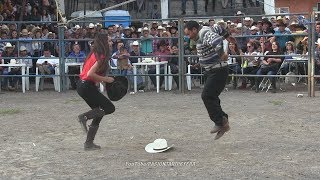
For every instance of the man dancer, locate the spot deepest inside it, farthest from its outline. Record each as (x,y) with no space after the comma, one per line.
(213,59)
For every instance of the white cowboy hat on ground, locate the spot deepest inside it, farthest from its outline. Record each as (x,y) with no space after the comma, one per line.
(158,145)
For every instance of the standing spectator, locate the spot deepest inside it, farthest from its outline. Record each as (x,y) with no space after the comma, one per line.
(146,41)
(213,5)
(284,35)
(45,16)
(195,6)
(35,16)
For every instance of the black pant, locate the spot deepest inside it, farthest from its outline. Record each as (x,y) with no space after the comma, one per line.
(73,70)
(154,78)
(215,82)
(90,93)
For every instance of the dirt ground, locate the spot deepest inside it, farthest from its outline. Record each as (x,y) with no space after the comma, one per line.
(272,136)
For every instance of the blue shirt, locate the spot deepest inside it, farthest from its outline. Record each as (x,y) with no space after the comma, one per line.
(79,58)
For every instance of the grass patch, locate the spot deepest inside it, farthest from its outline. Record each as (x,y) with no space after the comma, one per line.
(9,111)
(276,103)
(72,100)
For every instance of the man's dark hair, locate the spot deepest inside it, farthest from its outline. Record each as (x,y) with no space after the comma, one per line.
(192,24)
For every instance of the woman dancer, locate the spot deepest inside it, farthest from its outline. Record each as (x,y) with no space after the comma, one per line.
(94,70)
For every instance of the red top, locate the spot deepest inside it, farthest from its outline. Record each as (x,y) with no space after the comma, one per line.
(86,67)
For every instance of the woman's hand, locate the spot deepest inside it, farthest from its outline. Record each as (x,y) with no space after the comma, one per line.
(109,80)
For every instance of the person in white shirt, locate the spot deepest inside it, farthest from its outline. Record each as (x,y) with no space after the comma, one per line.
(47,62)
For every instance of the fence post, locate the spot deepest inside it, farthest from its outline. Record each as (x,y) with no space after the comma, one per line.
(181,57)
(312,54)
(62,75)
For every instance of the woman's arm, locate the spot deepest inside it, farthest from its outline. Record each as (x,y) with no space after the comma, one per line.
(92,73)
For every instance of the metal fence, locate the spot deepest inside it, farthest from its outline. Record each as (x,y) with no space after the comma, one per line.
(184,58)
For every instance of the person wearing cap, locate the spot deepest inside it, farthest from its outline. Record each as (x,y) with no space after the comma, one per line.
(91,33)
(146,41)
(209,44)
(94,70)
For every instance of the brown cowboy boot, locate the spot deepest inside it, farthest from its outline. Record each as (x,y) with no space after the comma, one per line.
(220,130)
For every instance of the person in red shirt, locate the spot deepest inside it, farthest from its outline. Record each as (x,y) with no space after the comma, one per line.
(94,71)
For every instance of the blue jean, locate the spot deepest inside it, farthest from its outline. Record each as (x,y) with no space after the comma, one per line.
(184,2)
(215,82)
(266,71)
(129,72)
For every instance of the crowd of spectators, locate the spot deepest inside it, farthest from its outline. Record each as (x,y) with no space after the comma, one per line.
(271,35)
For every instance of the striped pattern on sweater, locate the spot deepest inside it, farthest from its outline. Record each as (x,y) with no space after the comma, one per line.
(210,46)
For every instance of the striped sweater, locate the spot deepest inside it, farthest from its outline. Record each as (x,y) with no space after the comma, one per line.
(210,45)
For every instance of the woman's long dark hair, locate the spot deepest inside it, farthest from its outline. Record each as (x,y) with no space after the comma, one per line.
(101,51)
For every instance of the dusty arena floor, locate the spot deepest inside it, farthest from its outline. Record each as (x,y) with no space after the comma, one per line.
(273,136)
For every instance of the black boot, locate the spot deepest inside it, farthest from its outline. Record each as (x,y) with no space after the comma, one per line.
(273,85)
(257,84)
(94,113)
(89,145)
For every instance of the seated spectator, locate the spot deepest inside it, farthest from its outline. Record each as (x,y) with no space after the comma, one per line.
(174,63)
(135,52)
(123,62)
(115,57)
(47,62)
(290,50)
(7,55)
(270,66)
(234,62)
(317,58)
(77,56)
(160,56)
(251,64)
(25,40)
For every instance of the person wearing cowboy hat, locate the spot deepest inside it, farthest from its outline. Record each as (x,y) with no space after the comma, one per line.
(7,55)
(282,35)
(209,44)
(25,40)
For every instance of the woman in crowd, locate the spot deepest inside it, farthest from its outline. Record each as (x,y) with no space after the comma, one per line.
(270,66)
